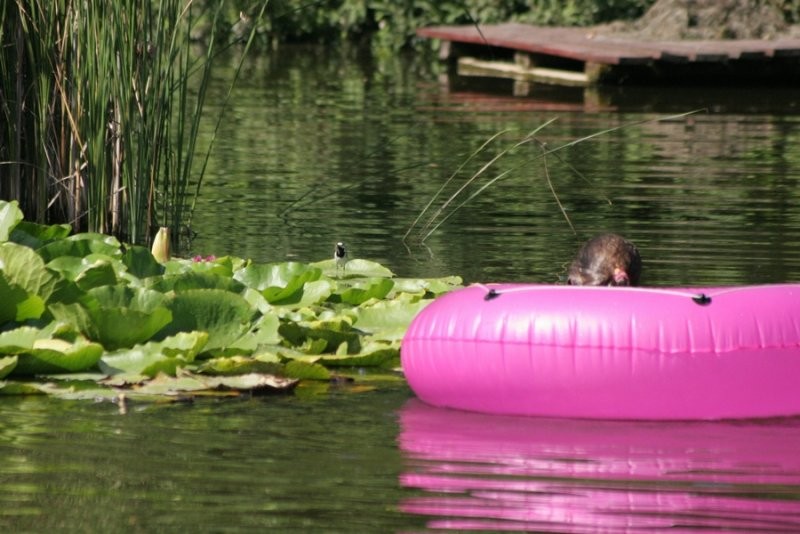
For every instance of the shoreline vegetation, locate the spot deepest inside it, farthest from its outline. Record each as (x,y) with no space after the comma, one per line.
(84,316)
(101,102)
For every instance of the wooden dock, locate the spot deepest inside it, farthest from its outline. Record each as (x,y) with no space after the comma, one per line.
(582,56)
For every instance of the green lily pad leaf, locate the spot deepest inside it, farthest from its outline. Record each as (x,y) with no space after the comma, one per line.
(122,296)
(361,290)
(313,293)
(277,281)
(155,357)
(100,273)
(305,370)
(377,355)
(12,387)
(10,216)
(315,337)
(34,235)
(16,304)
(118,316)
(239,365)
(257,301)
(81,245)
(141,263)
(23,267)
(125,327)
(7,365)
(434,286)
(252,382)
(388,319)
(221,266)
(196,280)
(354,268)
(58,356)
(263,332)
(224,315)
(171,385)
(20,339)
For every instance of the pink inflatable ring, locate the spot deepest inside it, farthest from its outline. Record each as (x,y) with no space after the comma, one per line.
(611,353)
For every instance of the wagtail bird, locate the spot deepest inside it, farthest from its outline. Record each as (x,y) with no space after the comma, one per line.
(340,256)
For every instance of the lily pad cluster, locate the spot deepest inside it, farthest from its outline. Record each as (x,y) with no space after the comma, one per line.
(85,316)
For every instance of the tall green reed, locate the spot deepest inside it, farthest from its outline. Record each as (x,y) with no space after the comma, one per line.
(101,104)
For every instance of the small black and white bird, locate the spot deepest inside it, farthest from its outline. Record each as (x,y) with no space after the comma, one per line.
(340,256)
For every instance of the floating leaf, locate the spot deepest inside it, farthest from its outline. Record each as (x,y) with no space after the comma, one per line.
(151,358)
(16,304)
(305,370)
(141,263)
(263,332)
(237,365)
(58,356)
(377,355)
(35,235)
(388,319)
(361,290)
(196,280)
(435,286)
(277,281)
(7,365)
(252,382)
(318,336)
(124,327)
(117,316)
(312,293)
(81,245)
(355,268)
(224,315)
(23,267)
(10,216)
(9,387)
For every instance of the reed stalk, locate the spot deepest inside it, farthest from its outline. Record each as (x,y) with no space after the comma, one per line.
(100,108)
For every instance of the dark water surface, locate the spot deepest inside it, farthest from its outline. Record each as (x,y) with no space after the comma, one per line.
(318,147)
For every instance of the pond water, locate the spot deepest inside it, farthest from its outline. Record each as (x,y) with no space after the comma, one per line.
(320,146)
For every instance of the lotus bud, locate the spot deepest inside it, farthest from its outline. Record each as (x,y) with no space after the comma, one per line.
(160,248)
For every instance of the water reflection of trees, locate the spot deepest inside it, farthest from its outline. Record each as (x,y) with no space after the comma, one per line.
(353,150)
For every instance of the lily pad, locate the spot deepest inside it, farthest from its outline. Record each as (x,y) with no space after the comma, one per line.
(354,268)
(377,355)
(224,315)
(10,216)
(7,365)
(16,304)
(306,370)
(152,358)
(141,263)
(35,235)
(277,281)
(117,316)
(81,245)
(23,267)
(237,365)
(388,319)
(58,356)
(361,290)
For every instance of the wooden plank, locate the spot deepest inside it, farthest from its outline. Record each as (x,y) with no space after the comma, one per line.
(585,45)
(568,43)
(468,66)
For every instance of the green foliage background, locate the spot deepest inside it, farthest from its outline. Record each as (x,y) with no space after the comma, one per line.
(390,24)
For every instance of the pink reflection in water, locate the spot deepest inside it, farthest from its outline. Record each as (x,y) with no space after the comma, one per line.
(484,472)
